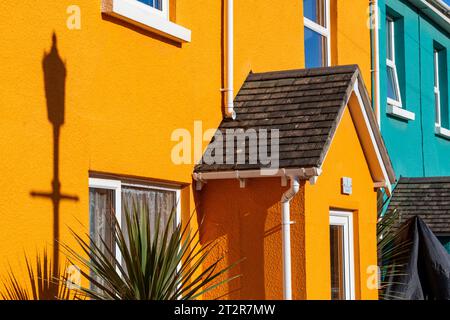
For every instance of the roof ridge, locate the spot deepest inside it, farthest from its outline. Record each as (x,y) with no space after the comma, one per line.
(293,73)
(415,180)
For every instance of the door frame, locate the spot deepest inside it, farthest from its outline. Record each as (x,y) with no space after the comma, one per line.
(345,219)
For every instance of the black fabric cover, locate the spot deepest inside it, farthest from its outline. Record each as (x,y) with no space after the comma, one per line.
(425,274)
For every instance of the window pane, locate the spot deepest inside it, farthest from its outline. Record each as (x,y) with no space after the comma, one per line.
(337,262)
(389,40)
(315,49)
(314,10)
(101,211)
(156,201)
(392,84)
(157,4)
(436,68)
(437,108)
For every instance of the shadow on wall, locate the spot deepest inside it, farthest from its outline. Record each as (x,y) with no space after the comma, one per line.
(246,224)
(55,72)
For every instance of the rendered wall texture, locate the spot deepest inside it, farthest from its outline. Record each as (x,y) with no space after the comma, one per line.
(345,159)
(414,148)
(125,91)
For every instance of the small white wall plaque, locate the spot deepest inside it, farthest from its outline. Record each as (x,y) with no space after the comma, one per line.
(347,185)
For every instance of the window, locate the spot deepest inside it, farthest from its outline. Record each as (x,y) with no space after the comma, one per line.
(341,256)
(437,90)
(440,92)
(110,197)
(160,6)
(393,89)
(317,33)
(152,15)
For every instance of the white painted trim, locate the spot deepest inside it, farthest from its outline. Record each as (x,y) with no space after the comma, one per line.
(303,173)
(345,219)
(391,63)
(323,31)
(442,132)
(400,112)
(316,27)
(149,18)
(117,187)
(153,187)
(437,91)
(372,137)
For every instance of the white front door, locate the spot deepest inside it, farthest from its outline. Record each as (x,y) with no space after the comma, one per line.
(341,256)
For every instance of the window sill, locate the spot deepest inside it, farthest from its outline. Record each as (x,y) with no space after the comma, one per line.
(137,14)
(400,113)
(442,132)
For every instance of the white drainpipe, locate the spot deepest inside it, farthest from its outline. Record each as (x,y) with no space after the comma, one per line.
(286,234)
(376,61)
(229,109)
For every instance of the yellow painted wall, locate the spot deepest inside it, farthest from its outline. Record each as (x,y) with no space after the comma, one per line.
(350,35)
(344,159)
(126,91)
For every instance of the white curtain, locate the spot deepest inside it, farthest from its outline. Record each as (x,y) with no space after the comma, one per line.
(101,208)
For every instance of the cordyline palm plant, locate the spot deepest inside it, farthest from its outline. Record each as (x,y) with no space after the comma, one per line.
(44,281)
(165,263)
(392,256)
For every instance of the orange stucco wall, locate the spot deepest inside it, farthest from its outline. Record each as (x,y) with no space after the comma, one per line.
(126,90)
(345,159)
(245,223)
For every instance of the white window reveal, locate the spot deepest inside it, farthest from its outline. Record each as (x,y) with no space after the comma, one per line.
(317,33)
(152,15)
(437,90)
(439,129)
(394,98)
(341,256)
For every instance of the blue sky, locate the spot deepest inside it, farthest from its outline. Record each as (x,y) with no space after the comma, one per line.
(447,2)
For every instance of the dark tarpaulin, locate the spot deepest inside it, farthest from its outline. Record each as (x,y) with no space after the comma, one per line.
(425,271)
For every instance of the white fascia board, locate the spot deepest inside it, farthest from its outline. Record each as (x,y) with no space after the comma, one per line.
(400,113)
(372,138)
(303,173)
(431,10)
(145,16)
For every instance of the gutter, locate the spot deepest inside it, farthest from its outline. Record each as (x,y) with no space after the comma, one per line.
(436,10)
(303,173)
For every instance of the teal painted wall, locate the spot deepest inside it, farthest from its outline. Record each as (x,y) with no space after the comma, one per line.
(413,146)
(445,242)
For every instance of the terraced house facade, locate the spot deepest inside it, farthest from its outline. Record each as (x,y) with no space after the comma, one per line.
(411,101)
(99,96)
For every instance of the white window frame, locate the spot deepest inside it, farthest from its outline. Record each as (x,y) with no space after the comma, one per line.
(116,185)
(391,63)
(147,17)
(345,219)
(164,12)
(323,31)
(437,90)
